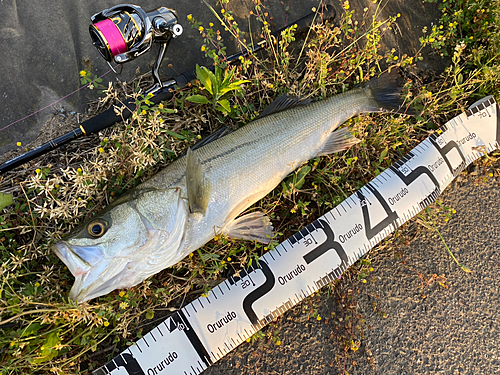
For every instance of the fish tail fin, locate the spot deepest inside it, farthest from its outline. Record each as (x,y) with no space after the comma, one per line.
(385,93)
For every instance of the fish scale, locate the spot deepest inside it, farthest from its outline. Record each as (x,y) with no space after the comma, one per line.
(210,187)
(262,153)
(203,331)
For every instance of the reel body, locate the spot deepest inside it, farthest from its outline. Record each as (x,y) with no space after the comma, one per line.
(126,31)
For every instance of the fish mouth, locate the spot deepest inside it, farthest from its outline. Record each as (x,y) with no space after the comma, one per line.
(94,276)
(74,262)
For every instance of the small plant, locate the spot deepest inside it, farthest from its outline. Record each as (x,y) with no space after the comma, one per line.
(218,86)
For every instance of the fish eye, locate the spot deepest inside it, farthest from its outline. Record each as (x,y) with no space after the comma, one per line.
(96,228)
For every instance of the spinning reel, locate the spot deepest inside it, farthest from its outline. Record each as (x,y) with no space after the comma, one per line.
(126,31)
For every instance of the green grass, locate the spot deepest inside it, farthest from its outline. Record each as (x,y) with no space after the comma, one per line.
(42,332)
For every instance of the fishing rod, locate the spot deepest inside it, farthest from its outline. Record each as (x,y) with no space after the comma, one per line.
(123,33)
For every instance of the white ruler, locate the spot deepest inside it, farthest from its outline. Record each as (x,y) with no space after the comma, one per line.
(207,329)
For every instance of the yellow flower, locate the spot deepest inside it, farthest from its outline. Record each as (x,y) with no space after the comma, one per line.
(203,48)
(79,170)
(228,259)
(222,262)
(399,15)
(123,305)
(101,150)
(315,163)
(489,174)
(121,294)
(222,11)
(18,144)
(201,28)
(395,57)
(83,73)
(278,342)
(106,323)
(318,318)
(190,17)
(12,343)
(56,186)
(247,340)
(371,269)
(161,106)
(363,281)
(143,112)
(211,24)
(37,284)
(191,255)
(37,171)
(147,101)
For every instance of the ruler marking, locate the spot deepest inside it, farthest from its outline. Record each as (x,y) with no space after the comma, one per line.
(409,168)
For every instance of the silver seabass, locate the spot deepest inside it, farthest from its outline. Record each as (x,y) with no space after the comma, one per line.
(201,194)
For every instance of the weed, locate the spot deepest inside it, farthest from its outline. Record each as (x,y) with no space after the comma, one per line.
(42,331)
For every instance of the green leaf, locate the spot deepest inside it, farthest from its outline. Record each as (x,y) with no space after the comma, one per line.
(31,329)
(178,136)
(200,99)
(47,351)
(301,176)
(296,181)
(225,104)
(203,75)
(383,155)
(233,86)
(150,314)
(286,191)
(5,200)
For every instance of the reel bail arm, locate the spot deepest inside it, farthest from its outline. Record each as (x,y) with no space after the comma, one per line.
(124,32)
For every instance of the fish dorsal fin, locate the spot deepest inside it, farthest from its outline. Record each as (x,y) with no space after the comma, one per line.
(212,137)
(198,190)
(284,102)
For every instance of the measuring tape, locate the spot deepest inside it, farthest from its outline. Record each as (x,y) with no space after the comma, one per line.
(204,331)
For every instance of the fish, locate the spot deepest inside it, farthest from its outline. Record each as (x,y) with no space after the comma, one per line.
(203,194)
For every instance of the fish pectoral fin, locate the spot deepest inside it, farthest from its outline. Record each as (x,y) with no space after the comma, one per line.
(198,189)
(252,226)
(339,140)
(284,102)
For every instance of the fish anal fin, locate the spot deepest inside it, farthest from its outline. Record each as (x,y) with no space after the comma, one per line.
(198,190)
(284,102)
(339,140)
(252,226)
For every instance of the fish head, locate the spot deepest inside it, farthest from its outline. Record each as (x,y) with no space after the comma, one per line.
(135,237)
